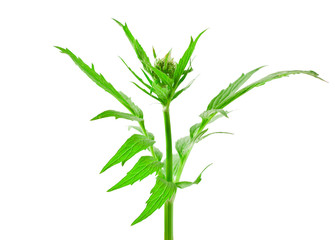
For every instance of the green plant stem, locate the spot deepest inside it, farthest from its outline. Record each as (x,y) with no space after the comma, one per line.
(183,161)
(168,208)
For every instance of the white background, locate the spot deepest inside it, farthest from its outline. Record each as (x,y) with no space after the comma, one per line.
(274,179)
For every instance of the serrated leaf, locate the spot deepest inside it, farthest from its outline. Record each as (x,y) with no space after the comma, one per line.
(101,82)
(185,184)
(230,90)
(137,111)
(194,129)
(145,166)
(264,80)
(141,55)
(185,58)
(158,153)
(116,114)
(209,113)
(162,191)
(184,146)
(135,144)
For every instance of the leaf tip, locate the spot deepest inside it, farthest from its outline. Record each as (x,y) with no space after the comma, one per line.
(111,189)
(118,22)
(60,48)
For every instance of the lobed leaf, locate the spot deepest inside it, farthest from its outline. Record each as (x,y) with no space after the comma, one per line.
(145,166)
(116,114)
(185,184)
(162,191)
(101,82)
(135,144)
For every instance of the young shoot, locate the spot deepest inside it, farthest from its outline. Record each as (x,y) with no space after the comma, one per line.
(160,79)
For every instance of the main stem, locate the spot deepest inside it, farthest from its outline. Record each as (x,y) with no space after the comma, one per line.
(168,208)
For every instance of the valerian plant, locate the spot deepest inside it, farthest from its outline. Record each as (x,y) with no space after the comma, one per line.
(161,81)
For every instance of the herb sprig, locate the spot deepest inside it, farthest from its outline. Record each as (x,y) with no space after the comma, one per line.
(161,81)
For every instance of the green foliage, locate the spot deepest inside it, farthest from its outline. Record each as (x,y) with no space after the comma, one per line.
(141,55)
(185,58)
(230,90)
(185,184)
(161,81)
(176,162)
(161,192)
(101,82)
(135,144)
(145,166)
(116,114)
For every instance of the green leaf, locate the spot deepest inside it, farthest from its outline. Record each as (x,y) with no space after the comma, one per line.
(194,129)
(185,184)
(264,80)
(184,75)
(116,114)
(163,77)
(150,135)
(214,133)
(162,191)
(136,128)
(137,111)
(182,90)
(184,146)
(141,55)
(146,76)
(197,137)
(230,90)
(154,52)
(210,113)
(101,82)
(145,166)
(145,91)
(135,144)
(185,58)
(158,153)
(162,93)
(138,78)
